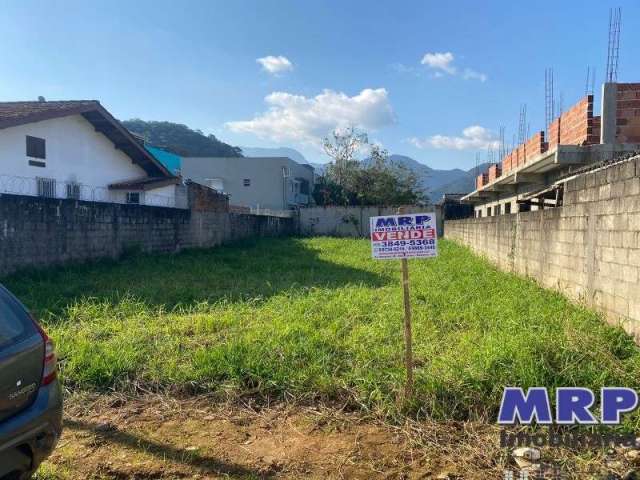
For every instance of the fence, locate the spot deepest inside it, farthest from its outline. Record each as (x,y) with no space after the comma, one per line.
(52,188)
(589,248)
(36,231)
(271,213)
(352,221)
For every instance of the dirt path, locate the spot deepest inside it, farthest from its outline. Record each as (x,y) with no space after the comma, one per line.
(164,438)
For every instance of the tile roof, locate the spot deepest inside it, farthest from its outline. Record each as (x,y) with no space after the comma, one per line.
(21,113)
(17,112)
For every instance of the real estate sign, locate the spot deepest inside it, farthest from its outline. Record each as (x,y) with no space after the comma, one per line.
(404,236)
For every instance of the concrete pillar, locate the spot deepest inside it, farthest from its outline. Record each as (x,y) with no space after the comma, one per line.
(608,115)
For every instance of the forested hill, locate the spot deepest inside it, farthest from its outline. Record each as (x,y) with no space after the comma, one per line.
(180,139)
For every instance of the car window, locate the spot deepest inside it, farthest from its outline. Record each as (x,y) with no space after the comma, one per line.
(14,322)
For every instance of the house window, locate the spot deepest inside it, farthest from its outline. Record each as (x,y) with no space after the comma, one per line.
(46,187)
(73,190)
(498,209)
(133,198)
(246,182)
(36,147)
(488,211)
(507,208)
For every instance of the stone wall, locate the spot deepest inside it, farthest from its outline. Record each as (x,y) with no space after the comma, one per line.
(350,221)
(589,248)
(37,232)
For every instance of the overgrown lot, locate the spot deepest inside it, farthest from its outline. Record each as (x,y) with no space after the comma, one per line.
(319,319)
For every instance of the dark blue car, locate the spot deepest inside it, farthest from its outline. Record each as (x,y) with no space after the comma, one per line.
(30,393)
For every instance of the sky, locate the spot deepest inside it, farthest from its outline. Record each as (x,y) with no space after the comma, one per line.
(431,80)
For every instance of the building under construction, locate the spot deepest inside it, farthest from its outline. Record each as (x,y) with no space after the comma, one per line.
(531,176)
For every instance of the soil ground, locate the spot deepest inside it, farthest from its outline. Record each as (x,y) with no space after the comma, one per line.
(157,437)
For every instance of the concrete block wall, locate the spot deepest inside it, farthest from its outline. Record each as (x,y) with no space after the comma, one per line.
(588,249)
(352,221)
(38,232)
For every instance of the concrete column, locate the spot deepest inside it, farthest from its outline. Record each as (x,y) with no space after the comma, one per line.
(608,115)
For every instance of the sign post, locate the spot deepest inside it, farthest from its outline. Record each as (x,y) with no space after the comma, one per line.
(404,236)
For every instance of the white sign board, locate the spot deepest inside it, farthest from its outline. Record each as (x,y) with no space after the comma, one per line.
(404,236)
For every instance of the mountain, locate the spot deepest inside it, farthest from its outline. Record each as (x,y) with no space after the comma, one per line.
(438,182)
(292,153)
(180,139)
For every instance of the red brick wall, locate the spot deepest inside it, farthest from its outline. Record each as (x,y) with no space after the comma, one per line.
(576,126)
(524,152)
(506,163)
(482,180)
(535,146)
(554,133)
(521,155)
(628,113)
(494,172)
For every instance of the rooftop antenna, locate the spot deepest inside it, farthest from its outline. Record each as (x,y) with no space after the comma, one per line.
(549,113)
(613,47)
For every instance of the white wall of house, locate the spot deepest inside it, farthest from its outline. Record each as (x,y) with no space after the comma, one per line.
(75,152)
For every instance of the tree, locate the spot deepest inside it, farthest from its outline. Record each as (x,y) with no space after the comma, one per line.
(342,147)
(375,181)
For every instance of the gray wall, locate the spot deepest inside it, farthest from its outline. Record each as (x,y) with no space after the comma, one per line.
(268,188)
(37,232)
(588,249)
(350,221)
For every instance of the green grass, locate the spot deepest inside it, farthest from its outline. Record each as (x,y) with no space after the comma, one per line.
(318,318)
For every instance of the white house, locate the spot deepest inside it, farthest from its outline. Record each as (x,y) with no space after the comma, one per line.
(78,150)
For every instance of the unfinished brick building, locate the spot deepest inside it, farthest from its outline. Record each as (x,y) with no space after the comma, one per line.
(526,177)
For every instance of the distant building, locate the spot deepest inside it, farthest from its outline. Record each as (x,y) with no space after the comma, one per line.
(77,150)
(453,208)
(532,175)
(276,183)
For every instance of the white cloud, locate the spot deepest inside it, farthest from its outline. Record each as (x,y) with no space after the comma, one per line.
(470,74)
(474,137)
(440,61)
(308,119)
(443,62)
(402,68)
(275,65)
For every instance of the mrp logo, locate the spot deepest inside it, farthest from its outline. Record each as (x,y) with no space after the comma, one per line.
(573,406)
(402,221)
